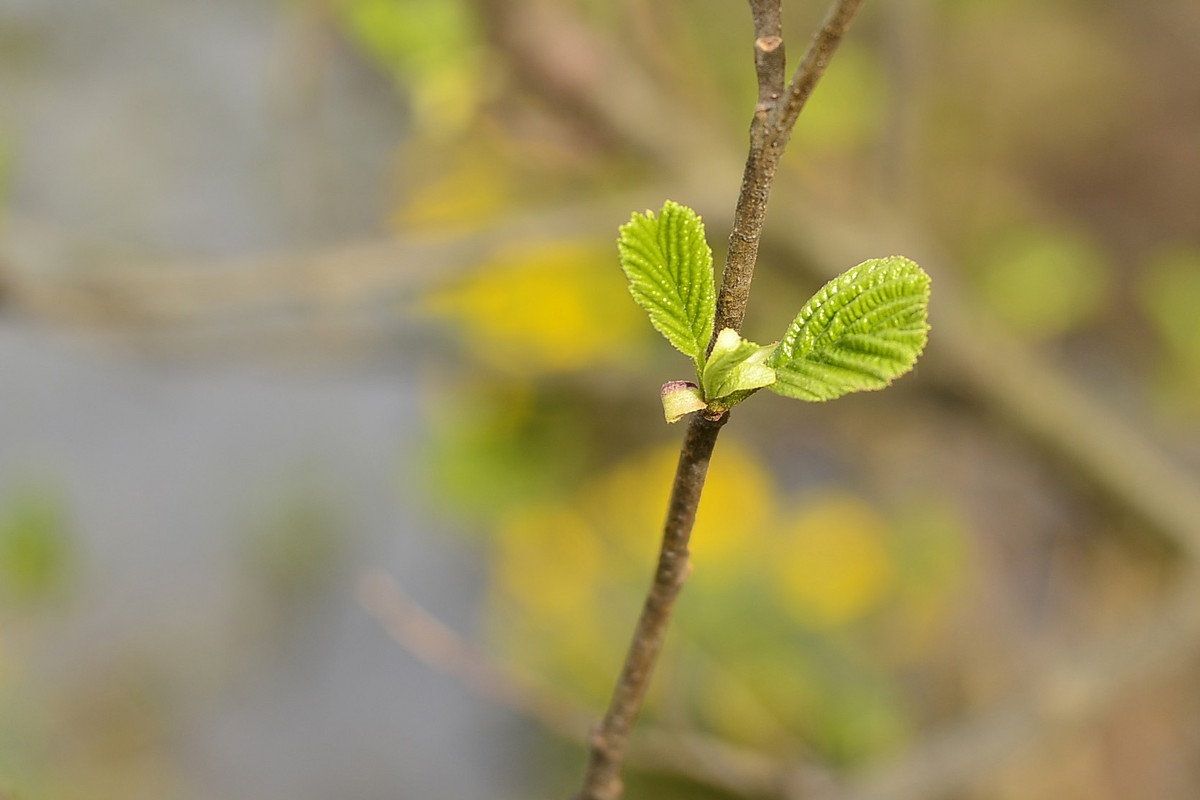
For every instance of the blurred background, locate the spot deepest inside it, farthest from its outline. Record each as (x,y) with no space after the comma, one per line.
(295,292)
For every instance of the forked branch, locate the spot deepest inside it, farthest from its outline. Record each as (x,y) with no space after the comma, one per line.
(770,130)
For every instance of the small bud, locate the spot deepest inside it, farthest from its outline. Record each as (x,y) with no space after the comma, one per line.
(727,342)
(680,398)
(735,369)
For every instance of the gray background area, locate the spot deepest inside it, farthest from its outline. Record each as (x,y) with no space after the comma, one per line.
(182,130)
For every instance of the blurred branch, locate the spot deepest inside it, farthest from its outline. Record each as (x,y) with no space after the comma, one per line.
(974,358)
(1074,692)
(49,275)
(441,649)
(586,76)
(907,53)
(695,756)
(334,300)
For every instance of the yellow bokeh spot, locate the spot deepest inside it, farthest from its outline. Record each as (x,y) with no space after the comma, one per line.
(753,713)
(469,194)
(543,307)
(630,504)
(833,564)
(548,561)
(549,611)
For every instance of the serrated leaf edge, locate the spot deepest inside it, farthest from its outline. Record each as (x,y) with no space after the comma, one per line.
(657,277)
(818,380)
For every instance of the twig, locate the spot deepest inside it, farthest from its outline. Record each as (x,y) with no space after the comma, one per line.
(770,59)
(824,45)
(770,130)
(610,740)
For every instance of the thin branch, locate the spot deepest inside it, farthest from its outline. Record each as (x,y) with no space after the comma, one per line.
(610,740)
(824,45)
(769,54)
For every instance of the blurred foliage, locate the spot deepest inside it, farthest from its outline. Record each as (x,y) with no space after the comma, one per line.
(494,447)
(432,50)
(1044,283)
(779,628)
(822,616)
(468,180)
(470,188)
(543,307)
(1047,149)
(848,109)
(1169,293)
(35,542)
(833,565)
(105,734)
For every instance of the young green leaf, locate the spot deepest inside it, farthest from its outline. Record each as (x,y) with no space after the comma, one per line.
(669,266)
(863,329)
(735,365)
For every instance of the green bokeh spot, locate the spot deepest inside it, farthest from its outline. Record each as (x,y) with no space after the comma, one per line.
(1169,293)
(35,544)
(1044,283)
